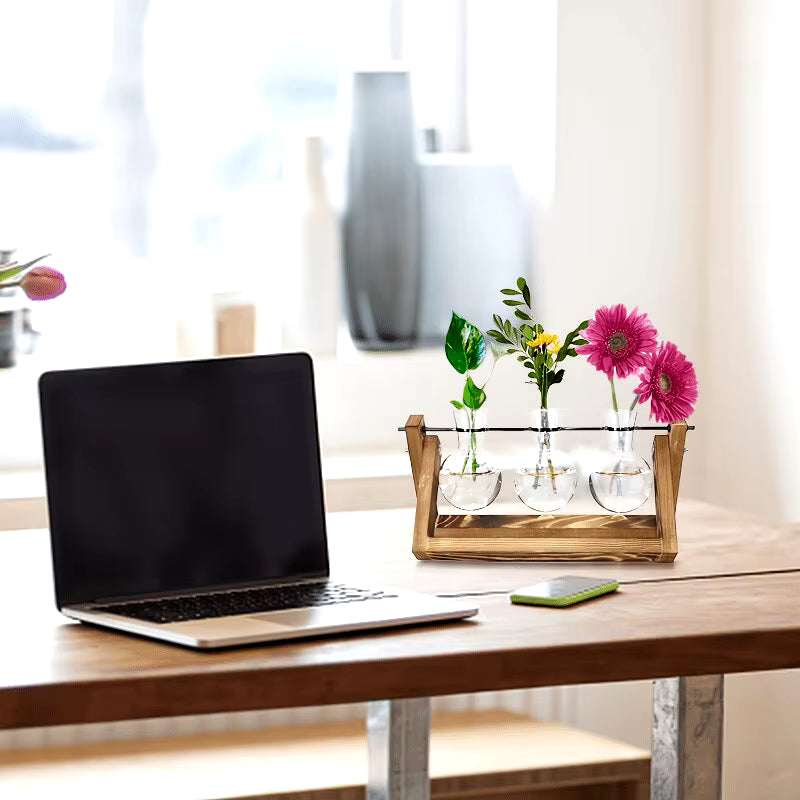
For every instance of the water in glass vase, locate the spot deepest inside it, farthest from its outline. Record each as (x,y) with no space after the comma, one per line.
(466,480)
(623,481)
(548,482)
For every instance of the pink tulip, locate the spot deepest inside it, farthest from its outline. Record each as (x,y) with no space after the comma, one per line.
(43,283)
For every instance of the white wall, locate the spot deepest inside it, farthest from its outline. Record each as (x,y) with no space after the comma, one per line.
(753,254)
(676,188)
(626,223)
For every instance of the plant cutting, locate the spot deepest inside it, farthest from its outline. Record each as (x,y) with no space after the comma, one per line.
(550,483)
(538,351)
(465,480)
(465,348)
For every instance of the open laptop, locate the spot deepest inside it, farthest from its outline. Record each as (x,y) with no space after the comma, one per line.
(186,504)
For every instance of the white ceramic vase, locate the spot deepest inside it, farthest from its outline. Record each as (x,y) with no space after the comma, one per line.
(311,320)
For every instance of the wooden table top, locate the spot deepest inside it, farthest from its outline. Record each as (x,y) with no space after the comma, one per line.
(56,671)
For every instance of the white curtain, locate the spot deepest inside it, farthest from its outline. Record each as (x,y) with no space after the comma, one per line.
(751,378)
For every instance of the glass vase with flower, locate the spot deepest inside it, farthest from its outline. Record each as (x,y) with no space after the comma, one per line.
(37,283)
(622,344)
(547,483)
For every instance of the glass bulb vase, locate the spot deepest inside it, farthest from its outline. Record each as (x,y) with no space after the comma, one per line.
(548,482)
(466,480)
(622,481)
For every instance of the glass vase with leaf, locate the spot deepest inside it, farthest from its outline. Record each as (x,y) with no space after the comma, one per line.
(548,482)
(466,479)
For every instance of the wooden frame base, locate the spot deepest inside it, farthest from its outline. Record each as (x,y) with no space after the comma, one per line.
(576,537)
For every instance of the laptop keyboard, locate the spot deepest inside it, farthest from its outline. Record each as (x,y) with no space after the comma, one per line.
(242,601)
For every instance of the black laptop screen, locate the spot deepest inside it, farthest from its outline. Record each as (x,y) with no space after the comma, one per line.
(184,475)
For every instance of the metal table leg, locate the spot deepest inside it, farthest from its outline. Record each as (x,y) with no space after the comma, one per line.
(398,738)
(686,762)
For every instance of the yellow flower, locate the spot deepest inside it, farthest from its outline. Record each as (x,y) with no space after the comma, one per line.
(547,340)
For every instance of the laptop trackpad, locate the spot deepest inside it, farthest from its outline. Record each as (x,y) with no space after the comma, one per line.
(309,617)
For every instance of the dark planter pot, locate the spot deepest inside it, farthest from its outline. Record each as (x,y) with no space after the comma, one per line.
(381,220)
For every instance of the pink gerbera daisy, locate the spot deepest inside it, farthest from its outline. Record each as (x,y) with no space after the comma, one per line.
(618,341)
(670,383)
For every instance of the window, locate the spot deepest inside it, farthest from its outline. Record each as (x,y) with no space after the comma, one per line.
(143,144)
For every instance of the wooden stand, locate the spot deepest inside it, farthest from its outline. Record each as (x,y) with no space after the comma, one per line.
(576,537)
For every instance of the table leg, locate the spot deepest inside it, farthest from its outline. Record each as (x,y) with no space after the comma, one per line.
(398,737)
(686,761)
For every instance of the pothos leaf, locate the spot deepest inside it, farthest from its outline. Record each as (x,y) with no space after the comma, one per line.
(474,396)
(457,405)
(464,346)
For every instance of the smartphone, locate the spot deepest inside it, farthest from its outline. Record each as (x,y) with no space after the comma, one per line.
(563,591)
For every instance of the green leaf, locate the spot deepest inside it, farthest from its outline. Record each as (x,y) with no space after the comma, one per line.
(11,272)
(521,284)
(527,332)
(520,314)
(457,405)
(538,328)
(526,295)
(538,360)
(583,325)
(509,291)
(528,364)
(557,377)
(521,358)
(464,345)
(513,302)
(572,352)
(532,375)
(498,321)
(580,342)
(507,328)
(474,396)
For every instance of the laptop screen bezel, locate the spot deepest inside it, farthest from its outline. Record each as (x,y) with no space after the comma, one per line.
(49,416)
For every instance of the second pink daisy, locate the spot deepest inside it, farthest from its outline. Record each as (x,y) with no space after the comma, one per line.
(670,383)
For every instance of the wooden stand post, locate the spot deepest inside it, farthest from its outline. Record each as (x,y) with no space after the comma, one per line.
(575,537)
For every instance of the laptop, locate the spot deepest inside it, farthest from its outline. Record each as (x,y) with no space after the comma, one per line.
(186,504)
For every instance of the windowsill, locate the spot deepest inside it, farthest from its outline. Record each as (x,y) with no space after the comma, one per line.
(358,481)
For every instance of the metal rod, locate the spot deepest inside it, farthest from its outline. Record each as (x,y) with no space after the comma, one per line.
(686,761)
(398,735)
(557,429)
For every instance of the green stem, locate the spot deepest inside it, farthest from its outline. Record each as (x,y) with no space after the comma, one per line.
(613,393)
(635,401)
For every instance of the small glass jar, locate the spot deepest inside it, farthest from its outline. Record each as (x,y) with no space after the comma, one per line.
(549,482)
(622,481)
(466,480)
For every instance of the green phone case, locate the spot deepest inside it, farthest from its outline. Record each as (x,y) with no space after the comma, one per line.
(565,591)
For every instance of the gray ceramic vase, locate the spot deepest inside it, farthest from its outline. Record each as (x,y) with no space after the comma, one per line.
(381,220)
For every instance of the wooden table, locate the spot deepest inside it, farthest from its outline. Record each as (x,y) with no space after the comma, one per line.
(730,603)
